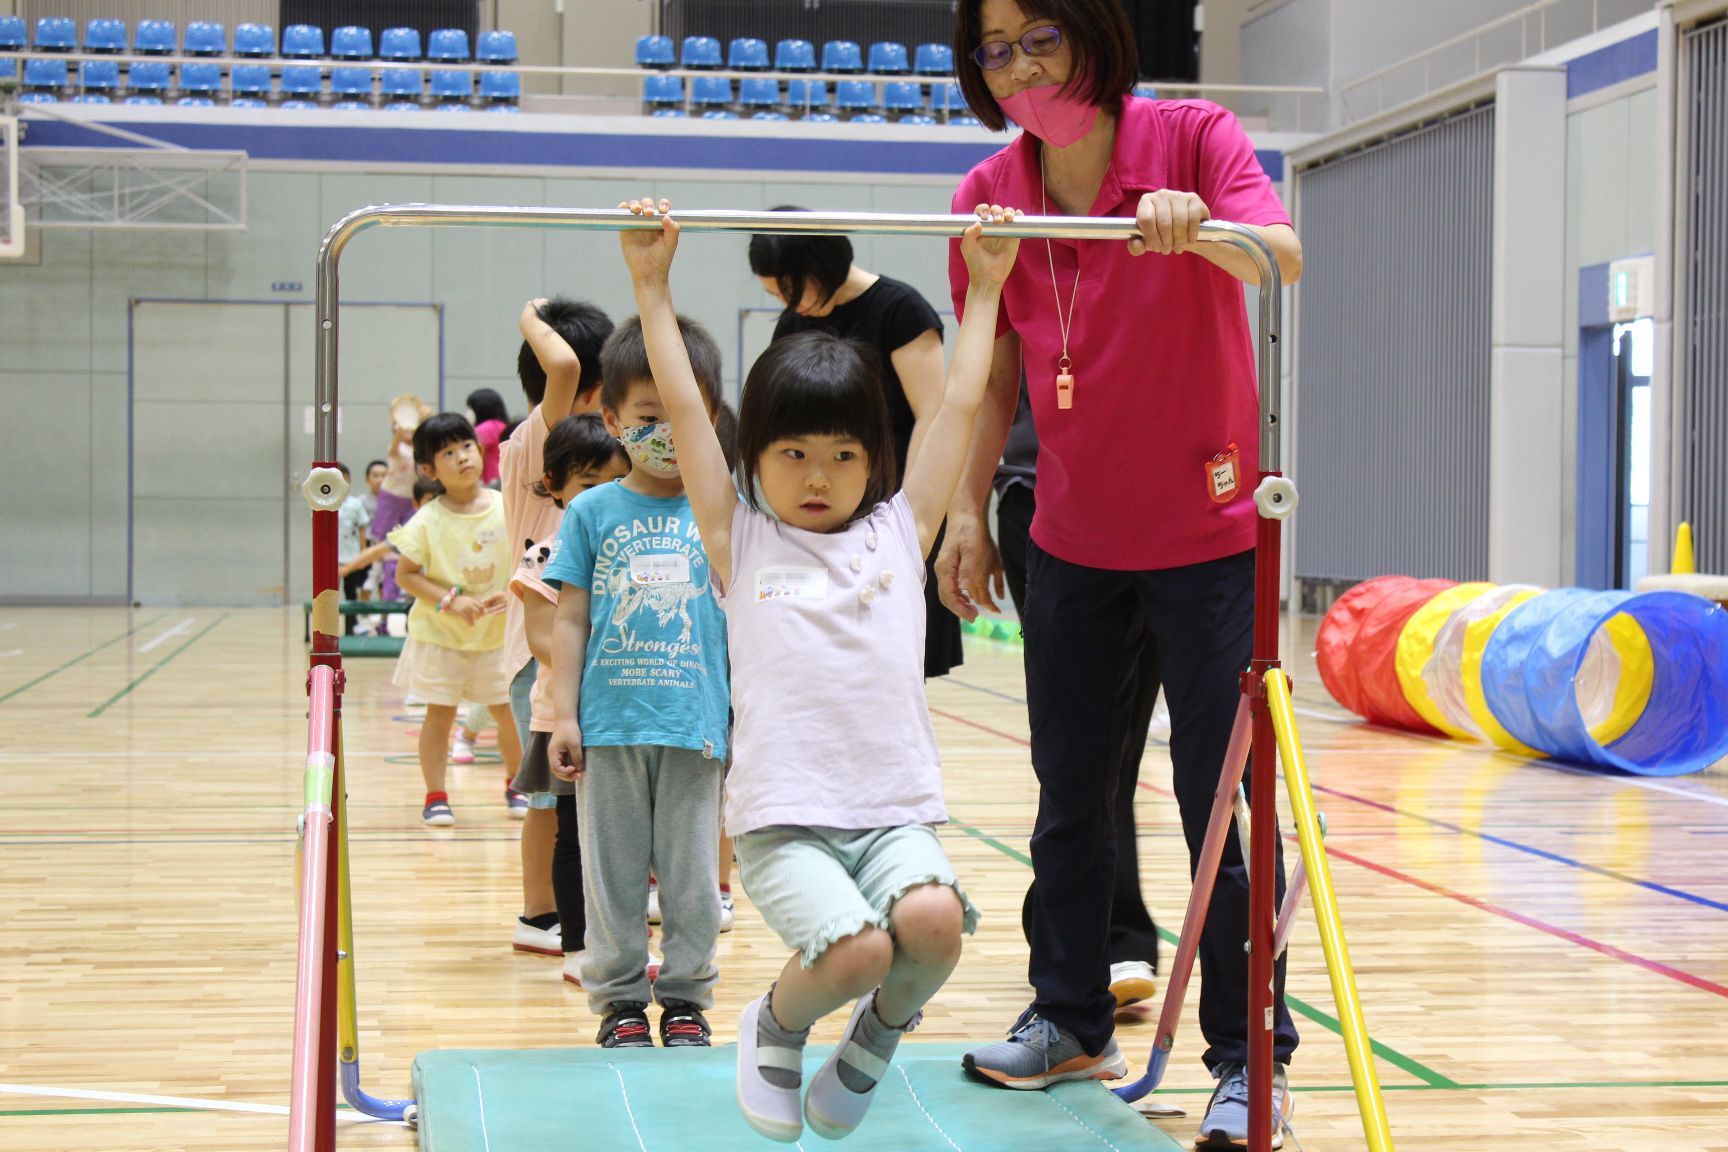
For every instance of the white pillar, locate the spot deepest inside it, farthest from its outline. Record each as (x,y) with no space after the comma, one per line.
(1525,476)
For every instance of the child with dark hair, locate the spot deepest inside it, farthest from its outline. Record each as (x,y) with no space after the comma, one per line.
(456,563)
(580,454)
(836,784)
(559,366)
(491,422)
(640,691)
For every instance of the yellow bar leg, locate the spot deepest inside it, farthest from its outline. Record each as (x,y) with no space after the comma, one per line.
(1369,1100)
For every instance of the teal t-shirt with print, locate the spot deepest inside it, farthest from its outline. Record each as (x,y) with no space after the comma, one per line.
(656,671)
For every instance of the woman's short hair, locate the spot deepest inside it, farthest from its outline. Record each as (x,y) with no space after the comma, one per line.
(1098,35)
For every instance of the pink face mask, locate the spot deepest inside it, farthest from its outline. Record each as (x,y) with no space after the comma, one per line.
(1051,114)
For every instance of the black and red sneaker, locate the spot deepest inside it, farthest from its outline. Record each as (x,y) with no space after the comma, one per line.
(626,1026)
(682,1025)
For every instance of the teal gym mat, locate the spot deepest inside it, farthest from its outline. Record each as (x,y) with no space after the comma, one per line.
(661,1100)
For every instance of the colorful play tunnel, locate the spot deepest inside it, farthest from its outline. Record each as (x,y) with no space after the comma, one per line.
(1634,681)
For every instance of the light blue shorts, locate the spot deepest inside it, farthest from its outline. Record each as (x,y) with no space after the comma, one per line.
(814,886)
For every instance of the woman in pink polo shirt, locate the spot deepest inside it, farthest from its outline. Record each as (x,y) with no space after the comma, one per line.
(1139,368)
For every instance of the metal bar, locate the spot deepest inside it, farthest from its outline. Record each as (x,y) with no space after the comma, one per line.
(309,990)
(1199,900)
(1352,1025)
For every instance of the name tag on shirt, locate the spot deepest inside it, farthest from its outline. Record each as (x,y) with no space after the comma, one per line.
(791,580)
(660,568)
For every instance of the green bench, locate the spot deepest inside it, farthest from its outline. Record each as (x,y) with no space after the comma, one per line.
(364,645)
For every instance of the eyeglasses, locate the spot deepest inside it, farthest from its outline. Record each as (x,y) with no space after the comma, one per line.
(994,54)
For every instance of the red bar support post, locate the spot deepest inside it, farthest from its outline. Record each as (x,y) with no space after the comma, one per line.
(1263,834)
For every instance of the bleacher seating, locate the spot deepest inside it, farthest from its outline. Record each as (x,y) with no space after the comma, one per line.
(842,56)
(708,93)
(448,46)
(254,40)
(302,84)
(747,54)
(945,99)
(56,34)
(701,52)
(933,60)
(249,84)
(655,52)
(855,96)
(352,88)
(399,44)
(147,82)
(497,47)
(664,95)
(12,34)
(501,91)
(200,84)
(903,98)
(105,36)
(452,89)
(402,89)
(806,96)
(154,38)
(758,92)
(889,59)
(303,42)
(351,42)
(46,75)
(206,38)
(795,56)
(98,80)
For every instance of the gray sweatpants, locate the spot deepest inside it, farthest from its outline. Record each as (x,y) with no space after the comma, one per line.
(645,809)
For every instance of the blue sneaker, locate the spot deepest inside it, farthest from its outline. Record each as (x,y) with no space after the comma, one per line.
(1038,1054)
(437,814)
(1226,1122)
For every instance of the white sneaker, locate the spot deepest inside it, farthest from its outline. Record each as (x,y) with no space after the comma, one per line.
(653,902)
(726,914)
(461,752)
(573,967)
(540,941)
(1132,981)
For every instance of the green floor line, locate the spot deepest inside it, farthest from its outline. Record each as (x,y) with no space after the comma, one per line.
(155,668)
(1397,1059)
(26,687)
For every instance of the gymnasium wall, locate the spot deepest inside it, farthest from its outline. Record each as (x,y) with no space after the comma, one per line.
(63,326)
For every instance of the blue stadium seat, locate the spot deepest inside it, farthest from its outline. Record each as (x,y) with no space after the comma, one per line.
(302,84)
(701,52)
(710,92)
(903,97)
(933,60)
(842,56)
(351,86)
(105,36)
(146,82)
(249,84)
(46,75)
(402,88)
(747,54)
(500,87)
(41,98)
(655,52)
(770,115)
(206,38)
(496,47)
(759,92)
(303,42)
(56,34)
(806,94)
(448,46)
(12,33)
(99,79)
(8,69)
(855,96)
(452,87)
(453,106)
(795,56)
(663,92)
(889,59)
(200,84)
(351,42)
(154,38)
(254,40)
(719,114)
(946,99)
(399,44)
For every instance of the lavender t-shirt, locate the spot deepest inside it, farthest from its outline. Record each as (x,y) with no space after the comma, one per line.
(826,635)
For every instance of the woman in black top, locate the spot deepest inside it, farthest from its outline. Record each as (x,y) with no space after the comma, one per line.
(824,291)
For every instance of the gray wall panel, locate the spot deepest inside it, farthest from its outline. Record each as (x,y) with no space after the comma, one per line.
(1393,356)
(1701,432)
(47,538)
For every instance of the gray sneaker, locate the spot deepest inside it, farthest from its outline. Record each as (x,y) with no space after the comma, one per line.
(1038,1054)
(1226,1123)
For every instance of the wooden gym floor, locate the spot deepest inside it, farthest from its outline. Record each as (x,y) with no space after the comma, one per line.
(1543,953)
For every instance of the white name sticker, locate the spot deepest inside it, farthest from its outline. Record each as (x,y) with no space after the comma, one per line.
(660,568)
(791,580)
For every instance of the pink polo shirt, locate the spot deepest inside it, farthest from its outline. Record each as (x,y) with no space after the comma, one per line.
(1163,359)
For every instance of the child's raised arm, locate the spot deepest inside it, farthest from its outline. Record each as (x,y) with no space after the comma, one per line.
(648,254)
(930,481)
(558,360)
